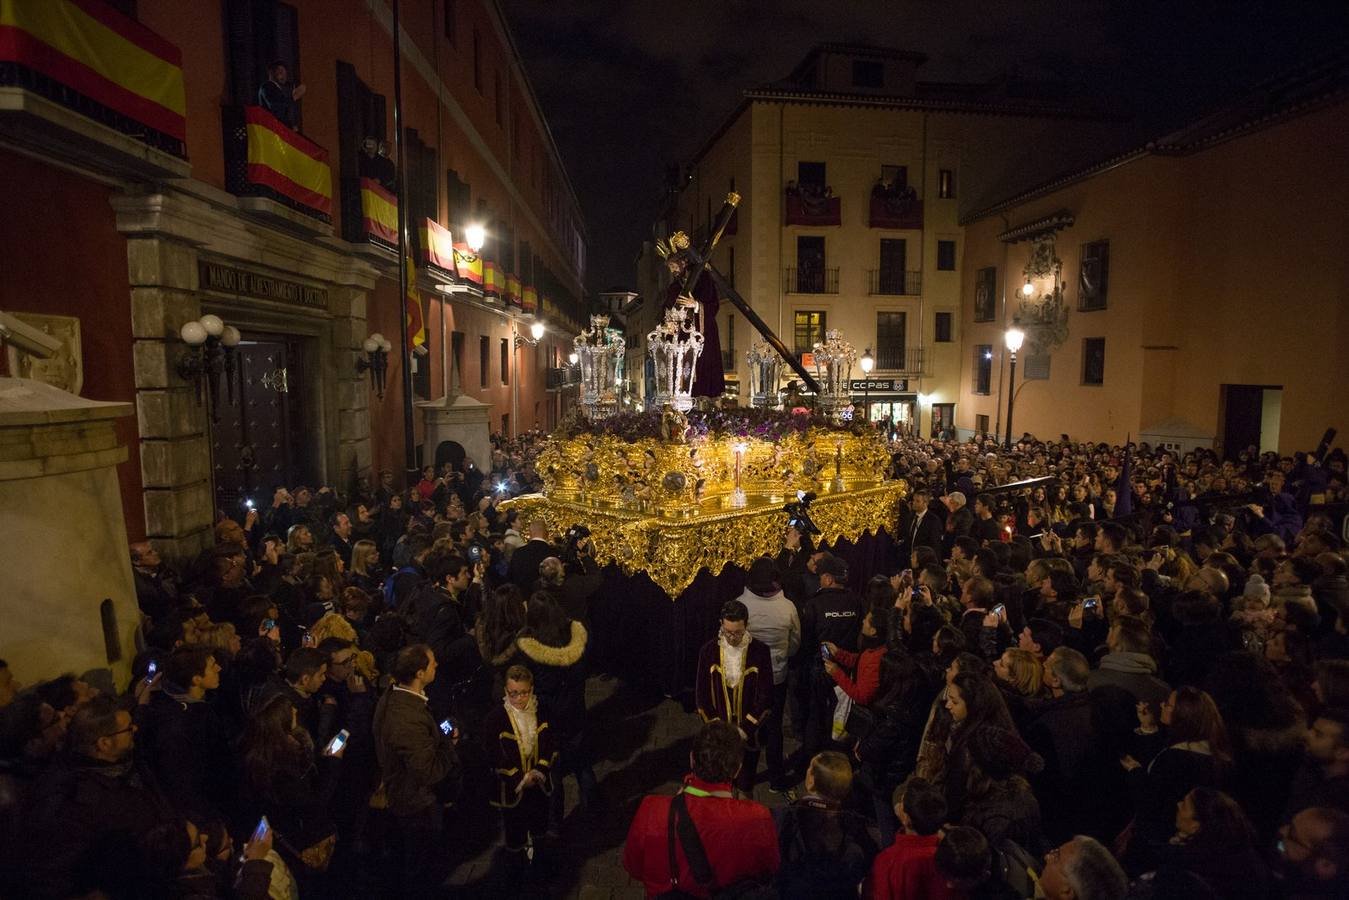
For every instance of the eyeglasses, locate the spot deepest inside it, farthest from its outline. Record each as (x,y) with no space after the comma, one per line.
(131,727)
(516,695)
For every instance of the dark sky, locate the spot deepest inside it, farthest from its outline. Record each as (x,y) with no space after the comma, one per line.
(629,86)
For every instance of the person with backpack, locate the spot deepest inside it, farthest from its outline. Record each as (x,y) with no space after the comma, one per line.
(704,840)
(826,850)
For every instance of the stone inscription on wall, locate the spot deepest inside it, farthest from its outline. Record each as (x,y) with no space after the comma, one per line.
(231,280)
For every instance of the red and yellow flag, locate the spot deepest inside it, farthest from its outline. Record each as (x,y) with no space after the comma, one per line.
(512,289)
(101,54)
(438,246)
(379,211)
(491,279)
(471,272)
(529,299)
(287,161)
(416,312)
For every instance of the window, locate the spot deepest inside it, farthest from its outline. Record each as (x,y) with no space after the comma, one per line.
(868,73)
(730,335)
(946,256)
(421,365)
(946,183)
(808,329)
(983,368)
(981,424)
(1093,360)
(457,360)
(256,33)
(505,424)
(477,61)
(985,294)
(895,176)
(942,328)
(894,262)
(505,360)
(1093,277)
(451,31)
(812,173)
(730,272)
(458,200)
(484,357)
(500,96)
(361,116)
(112,641)
(890,327)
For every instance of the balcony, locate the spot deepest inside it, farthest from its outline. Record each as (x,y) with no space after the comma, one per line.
(810,281)
(84,83)
(558,378)
(275,171)
(901,360)
(812,205)
(895,208)
(894,283)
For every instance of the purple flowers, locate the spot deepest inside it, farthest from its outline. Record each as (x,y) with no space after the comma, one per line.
(766,424)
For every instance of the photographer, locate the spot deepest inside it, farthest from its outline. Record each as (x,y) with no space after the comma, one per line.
(576,577)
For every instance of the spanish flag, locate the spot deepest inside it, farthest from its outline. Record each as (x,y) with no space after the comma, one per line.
(288,162)
(512,289)
(438,246)
(491,279)
(529,299)
(416,313)
(470,272)
(95,51)
(379,211)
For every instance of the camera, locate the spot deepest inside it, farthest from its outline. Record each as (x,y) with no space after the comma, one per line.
(575,536)
(798,513)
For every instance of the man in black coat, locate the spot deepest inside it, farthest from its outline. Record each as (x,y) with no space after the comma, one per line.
(959,521)
(89,808)
(184,744)
(1061,731)
(921,526)
(524,565)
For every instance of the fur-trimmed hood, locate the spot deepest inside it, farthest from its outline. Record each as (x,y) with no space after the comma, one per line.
(567,655)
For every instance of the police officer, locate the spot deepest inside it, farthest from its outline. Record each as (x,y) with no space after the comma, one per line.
(833,613)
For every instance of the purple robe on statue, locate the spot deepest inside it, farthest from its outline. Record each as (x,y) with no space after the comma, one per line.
(708,380)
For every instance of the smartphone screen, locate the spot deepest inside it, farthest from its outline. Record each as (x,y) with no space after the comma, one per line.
(268,624)
(1091,603)
(261,831)
(152,669)
(1000,611)
(337,743)
(447,726)
(824,652)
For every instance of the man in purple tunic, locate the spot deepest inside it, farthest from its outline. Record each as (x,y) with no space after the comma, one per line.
(708,380)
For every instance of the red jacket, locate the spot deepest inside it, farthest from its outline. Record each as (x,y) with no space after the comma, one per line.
(738,835)
(868,664)
(906,871)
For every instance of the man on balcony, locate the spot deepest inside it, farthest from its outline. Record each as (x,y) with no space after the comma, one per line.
(277,96)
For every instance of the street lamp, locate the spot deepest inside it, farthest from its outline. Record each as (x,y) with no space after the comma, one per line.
(868,362)
(1014,339)
(536,332)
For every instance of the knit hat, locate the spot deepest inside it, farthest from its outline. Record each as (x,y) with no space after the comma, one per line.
(1256,590)
(1002,753)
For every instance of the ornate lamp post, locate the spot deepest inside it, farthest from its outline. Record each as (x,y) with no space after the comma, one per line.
(867,362)
(1014,338)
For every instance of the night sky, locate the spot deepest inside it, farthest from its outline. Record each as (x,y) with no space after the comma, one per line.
(630,87)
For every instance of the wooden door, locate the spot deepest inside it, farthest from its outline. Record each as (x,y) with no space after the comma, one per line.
(259,442)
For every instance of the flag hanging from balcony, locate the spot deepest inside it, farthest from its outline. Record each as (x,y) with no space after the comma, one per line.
(379,211)
(438,246)
(470,272)
(288,162)
(512,290)
(416,312)
(529,299)
(95,51)
(491,279)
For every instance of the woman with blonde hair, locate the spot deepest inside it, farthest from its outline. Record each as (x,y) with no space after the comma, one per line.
(1020,677)
(365,571)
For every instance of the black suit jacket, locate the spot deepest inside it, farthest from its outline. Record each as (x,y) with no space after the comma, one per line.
(524,565)
(929,532)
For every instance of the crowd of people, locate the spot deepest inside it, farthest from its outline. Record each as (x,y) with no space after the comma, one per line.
(1128,678)
(1099,672)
